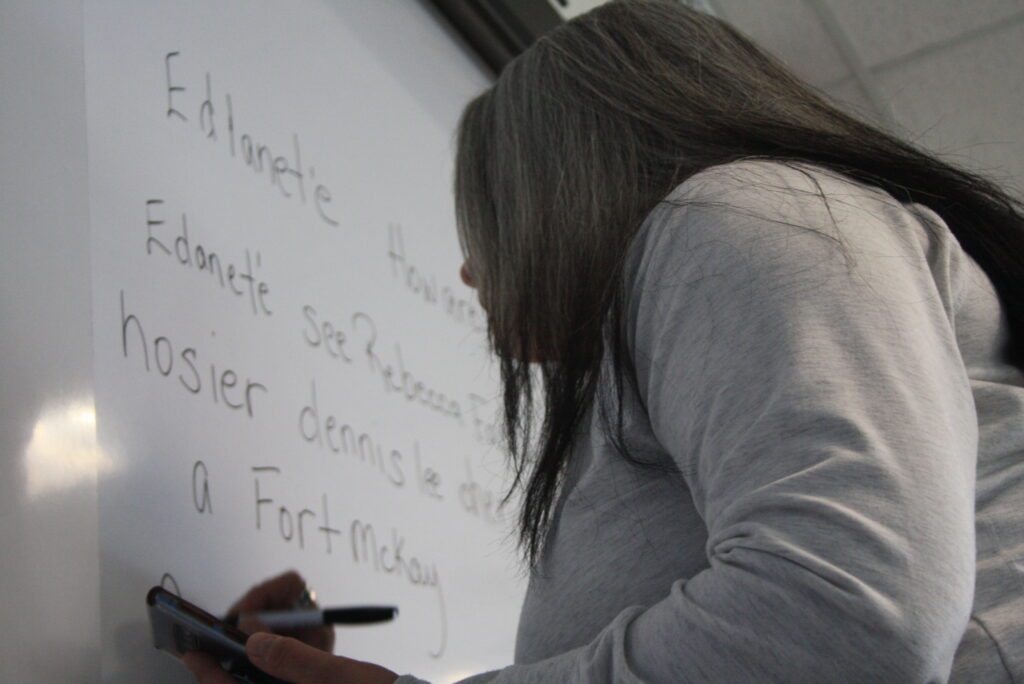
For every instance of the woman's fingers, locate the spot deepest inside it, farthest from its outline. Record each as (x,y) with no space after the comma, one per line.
(279,593)
(295,661)
(292,660)
(276,593)
(321,637)
(250,624)
(205,669)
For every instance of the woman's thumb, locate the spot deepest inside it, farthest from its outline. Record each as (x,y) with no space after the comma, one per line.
(293,660)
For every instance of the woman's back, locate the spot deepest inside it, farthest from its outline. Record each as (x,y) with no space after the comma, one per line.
(816,386)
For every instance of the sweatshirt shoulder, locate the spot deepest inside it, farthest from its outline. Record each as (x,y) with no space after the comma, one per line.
(773,198)
(775,186)
(755,198)
(780,221)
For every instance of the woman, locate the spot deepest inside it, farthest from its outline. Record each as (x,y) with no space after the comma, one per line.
(781,357)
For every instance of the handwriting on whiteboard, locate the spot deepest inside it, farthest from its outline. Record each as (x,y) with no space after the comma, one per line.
(289,176)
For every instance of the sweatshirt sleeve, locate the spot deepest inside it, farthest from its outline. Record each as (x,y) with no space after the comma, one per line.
(798,362)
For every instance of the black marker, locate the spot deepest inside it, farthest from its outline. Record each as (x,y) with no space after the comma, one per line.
(313,617)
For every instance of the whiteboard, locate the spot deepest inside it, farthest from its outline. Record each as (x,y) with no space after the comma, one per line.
(288,371)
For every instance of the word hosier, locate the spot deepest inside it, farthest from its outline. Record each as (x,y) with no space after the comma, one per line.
(224,386)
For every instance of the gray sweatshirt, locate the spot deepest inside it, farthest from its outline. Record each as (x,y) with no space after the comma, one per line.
(845,498)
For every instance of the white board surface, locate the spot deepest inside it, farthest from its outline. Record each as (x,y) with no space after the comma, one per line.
(288,372)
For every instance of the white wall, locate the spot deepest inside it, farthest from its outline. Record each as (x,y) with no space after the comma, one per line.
(48,562)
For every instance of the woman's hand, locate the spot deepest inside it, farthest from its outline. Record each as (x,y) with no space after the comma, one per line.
(303,656)
(293,661)
(280,593)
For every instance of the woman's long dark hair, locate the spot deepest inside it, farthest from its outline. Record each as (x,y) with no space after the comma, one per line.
(584,134)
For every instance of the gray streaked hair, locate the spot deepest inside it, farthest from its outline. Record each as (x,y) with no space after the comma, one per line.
(583,134)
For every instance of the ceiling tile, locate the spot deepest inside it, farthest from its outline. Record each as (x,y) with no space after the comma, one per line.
(851,98)
(882,30)
(790,30)
(966,102)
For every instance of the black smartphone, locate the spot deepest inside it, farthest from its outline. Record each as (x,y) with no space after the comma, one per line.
(179,627)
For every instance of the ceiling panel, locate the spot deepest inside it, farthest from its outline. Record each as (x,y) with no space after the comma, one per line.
(966,101)
(790,30)
(882,30)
